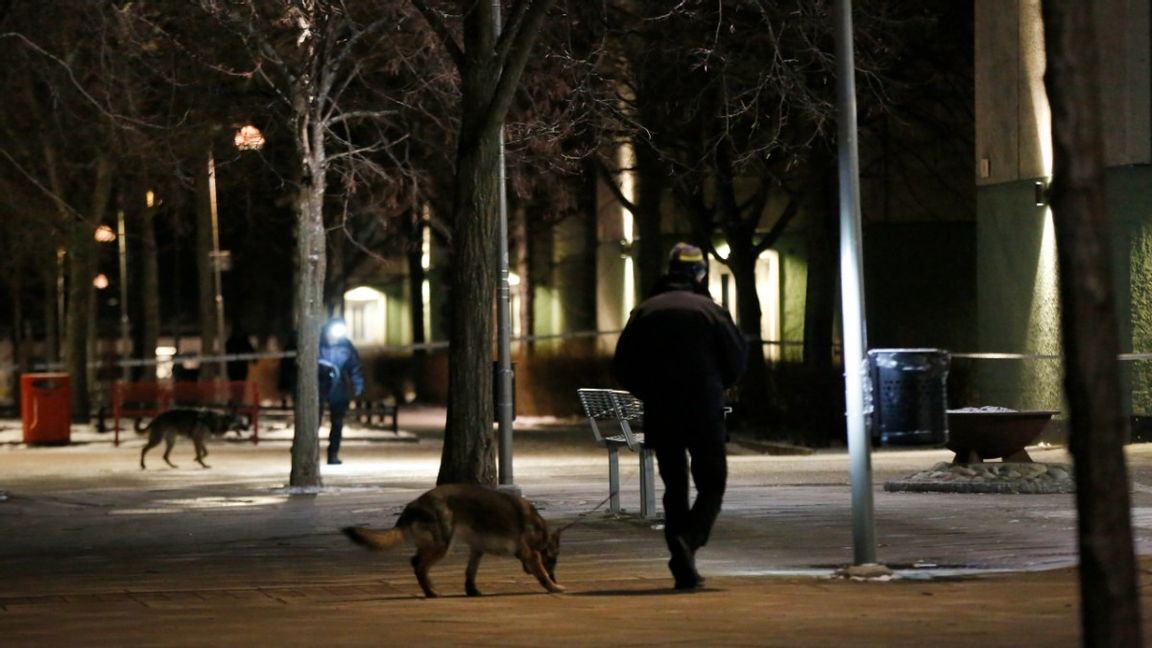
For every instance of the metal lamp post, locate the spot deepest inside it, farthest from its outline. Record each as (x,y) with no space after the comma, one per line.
(247,138)
(852,292)
(217,281)
(504,407)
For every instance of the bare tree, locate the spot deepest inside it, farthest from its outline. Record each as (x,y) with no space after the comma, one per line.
(1109,598)
(313,57)
(489,63)
(62,139)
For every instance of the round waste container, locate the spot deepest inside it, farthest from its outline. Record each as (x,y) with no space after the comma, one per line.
(909,396)
(46,408)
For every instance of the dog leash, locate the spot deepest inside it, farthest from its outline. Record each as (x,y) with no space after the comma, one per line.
(589,512)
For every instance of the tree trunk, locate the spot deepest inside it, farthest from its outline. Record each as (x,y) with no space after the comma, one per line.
(820,291)
(416,276)
(312,263)
(488,81)
(755,392)
(21,352)
(469,454)
(523,249)
(651,260)
(1110,601)
(80,297)
(335,278)
(51,316)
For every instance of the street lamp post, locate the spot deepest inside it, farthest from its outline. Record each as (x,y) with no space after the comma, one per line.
(246,138)
(852,292)
(504,406)
(217,282)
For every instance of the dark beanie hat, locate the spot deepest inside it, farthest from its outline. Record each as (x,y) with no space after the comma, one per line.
(687,260)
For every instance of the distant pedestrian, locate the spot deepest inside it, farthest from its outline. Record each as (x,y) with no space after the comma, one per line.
(238,344)
(677,354)
(340,380)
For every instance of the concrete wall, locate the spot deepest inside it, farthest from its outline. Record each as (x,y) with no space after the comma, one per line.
(1012,115)
(1018,304)
(1017,301)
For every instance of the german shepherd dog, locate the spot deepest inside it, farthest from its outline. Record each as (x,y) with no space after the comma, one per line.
(195,424)
(487,520)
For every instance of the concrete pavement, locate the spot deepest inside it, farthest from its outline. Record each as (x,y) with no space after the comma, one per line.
(94,550)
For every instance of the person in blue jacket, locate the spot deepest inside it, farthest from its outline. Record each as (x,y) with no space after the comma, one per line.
(678,353)
(340,380)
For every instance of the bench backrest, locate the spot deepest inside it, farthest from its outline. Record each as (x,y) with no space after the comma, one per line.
(616,406)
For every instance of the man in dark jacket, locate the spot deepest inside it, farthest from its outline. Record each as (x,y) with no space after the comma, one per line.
(339,374)
(678,354)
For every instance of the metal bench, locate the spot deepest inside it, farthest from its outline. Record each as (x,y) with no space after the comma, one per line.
(375,412)
(621,410)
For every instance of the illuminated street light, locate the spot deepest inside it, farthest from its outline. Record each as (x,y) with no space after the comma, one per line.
(100,281)
(104,234)
(249,138)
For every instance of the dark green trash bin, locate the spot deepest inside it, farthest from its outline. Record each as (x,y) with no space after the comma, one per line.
(909,396)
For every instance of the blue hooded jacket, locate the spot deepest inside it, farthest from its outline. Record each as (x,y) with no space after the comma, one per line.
(340,376)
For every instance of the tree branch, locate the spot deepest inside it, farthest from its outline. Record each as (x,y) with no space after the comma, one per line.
(440,28)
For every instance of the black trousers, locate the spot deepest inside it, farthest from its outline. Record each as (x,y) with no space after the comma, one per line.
(707,464)
(336,411)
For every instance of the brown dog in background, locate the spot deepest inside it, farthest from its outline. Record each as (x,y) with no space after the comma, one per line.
(487,520)
(195,424)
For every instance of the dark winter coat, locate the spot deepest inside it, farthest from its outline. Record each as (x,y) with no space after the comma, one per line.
(340,376)
(678,353)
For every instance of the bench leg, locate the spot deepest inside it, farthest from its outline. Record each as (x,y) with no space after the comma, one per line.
(613,479)
(647,484)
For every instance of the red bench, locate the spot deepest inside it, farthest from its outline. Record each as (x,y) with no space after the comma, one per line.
(148,399)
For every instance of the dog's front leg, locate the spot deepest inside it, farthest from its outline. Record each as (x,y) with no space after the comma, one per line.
(534,564)
(169,442)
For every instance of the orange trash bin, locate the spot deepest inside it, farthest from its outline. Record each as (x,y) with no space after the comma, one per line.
(46,408)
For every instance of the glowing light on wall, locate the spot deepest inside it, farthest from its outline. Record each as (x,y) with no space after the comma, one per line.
(722,285)
(365,310)
(1044,322)
(164,355)
(426,242)
(426,293)
(426,264)
(1034,61)
(626,161)
(514,303)
(768,290)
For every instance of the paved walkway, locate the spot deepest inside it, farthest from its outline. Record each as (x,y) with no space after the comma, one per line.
(95,551)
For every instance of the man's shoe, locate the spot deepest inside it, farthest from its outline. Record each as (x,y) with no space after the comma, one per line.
(683,565)
(333,461)
(690,584)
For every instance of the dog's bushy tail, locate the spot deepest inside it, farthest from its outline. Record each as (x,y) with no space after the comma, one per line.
(378,540)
